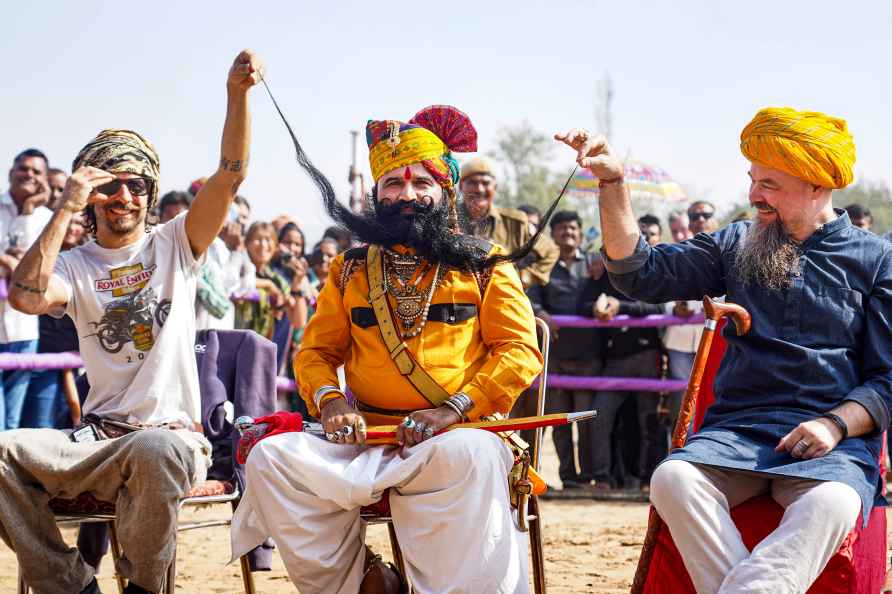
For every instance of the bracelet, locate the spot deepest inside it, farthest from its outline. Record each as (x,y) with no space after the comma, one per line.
(454,408)
(606,182)
(297,293)
(461,403)
(837,420)
(321,392)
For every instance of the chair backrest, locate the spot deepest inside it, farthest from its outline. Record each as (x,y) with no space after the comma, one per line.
(236,367)
(705,397)
(544,337)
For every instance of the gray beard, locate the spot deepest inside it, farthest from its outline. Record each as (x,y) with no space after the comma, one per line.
(768,258)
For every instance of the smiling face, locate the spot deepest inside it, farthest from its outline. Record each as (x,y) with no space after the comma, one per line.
(26,176)
(567,235)
(478,192)
(779,196)
(292,243)
(123,213)
(261,244)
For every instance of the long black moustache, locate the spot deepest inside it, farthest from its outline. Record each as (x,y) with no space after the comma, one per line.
(367,226)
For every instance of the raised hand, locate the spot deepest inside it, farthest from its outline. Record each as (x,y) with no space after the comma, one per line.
(593,153)
(80,188)
(247,70)
(34,201)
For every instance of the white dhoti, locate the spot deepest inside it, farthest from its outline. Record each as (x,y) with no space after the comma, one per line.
(448,499)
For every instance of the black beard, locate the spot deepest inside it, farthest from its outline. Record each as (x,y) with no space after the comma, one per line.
(425,229)
(769,257)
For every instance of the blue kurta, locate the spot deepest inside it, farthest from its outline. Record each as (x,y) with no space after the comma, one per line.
(824,340)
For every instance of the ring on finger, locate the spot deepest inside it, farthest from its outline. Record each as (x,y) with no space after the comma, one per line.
(408,422)
(331,436)
(801,445)
(428,432)
(420,427)
(346,430)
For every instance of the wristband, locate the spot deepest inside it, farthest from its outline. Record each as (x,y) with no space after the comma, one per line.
(607,182)
(324,391)
(837,420)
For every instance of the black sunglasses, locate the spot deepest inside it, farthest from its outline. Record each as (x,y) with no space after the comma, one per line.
(138,186)
(696,216)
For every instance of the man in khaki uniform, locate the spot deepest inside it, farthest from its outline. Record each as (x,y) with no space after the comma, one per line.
(507,227)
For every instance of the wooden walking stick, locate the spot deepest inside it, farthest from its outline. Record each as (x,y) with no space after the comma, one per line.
(714,312)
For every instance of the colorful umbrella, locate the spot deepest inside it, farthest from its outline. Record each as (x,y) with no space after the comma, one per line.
(643,181)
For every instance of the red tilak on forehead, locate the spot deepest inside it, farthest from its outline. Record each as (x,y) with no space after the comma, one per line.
(407,174)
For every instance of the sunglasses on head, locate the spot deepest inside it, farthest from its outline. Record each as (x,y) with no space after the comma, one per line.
(138,186)
(696,216)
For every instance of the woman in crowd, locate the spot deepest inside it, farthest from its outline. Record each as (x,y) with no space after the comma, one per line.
(278,308)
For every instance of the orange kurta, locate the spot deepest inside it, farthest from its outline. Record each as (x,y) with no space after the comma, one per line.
(492,357)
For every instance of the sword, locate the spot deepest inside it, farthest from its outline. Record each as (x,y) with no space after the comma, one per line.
(386,434)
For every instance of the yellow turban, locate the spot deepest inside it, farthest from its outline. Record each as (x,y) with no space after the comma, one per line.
(806,144)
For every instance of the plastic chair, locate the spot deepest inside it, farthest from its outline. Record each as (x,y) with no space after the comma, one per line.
(86,509)
(529,518)
(858,568)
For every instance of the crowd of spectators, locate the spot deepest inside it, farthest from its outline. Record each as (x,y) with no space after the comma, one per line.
(265,277)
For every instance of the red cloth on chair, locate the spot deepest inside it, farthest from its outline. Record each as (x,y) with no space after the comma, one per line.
(858,568)
(267,426)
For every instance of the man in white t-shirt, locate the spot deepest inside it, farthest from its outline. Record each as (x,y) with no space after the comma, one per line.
(131,294)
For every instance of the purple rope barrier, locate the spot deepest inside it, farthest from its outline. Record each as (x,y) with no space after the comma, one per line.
(619,384)
(627,321)
(16,361)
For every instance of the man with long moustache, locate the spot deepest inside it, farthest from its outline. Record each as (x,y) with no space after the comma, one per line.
(432,327)
(803,398)
(130,294)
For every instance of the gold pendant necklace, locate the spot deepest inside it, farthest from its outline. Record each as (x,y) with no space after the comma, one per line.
(412,306)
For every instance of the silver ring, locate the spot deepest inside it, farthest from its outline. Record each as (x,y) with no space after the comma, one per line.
(331,436)
(346,430)
(428,432)
(803,444)
(408,422)
(420,427)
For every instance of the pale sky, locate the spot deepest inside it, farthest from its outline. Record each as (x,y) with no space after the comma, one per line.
(687,78)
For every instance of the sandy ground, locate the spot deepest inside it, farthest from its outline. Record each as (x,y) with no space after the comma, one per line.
(590,546)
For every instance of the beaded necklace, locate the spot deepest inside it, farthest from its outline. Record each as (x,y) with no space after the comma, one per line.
(412,307)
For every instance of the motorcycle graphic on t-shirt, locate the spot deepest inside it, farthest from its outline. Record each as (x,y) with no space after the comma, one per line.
(131,318)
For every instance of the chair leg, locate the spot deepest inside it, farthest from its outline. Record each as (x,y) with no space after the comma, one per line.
(247,575)
(171,578)
(23,586)
(397,553)
(539,586)
(116,555)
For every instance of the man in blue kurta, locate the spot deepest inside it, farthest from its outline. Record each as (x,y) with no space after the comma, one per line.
(802,400)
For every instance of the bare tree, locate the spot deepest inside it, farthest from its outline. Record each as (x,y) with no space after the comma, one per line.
(524,152)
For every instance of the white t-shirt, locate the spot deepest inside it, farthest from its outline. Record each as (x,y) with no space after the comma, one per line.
(134,308)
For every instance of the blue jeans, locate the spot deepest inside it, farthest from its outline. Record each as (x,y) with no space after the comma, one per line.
(45,400)
(14,385)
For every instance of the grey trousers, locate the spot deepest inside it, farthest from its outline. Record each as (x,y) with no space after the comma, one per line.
(144,474)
